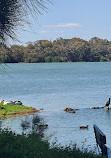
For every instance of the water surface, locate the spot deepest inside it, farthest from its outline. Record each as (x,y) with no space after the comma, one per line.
(55,86)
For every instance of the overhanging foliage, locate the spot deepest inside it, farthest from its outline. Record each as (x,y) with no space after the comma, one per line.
(13,13)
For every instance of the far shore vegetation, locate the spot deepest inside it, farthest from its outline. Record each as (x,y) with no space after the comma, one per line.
(15,110)
(59,50)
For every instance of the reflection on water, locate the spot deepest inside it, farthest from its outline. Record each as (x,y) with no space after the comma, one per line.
(55,86)
(25,124)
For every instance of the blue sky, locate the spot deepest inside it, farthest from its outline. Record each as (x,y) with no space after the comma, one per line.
(70,18)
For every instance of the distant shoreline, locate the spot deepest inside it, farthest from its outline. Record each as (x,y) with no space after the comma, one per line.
(60,62)
(59,50)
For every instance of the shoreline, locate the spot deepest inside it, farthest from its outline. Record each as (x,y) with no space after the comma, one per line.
(21,113)
(16,110)
(57,62)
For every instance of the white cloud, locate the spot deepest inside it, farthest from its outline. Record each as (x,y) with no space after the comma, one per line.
(59,31)
(64,25)
(43,31)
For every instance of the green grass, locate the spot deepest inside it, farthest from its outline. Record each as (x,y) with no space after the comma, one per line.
(14,109)
(32,146)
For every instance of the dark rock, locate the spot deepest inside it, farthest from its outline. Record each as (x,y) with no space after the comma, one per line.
(41,108)
(70,110)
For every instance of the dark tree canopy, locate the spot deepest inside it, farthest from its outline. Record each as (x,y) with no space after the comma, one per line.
(13,13)
(59,50)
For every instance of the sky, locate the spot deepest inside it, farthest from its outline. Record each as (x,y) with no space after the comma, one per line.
(67,19)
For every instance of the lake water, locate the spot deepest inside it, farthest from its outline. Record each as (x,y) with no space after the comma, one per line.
(55,86)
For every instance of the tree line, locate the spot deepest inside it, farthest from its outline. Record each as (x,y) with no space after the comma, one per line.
(59,50)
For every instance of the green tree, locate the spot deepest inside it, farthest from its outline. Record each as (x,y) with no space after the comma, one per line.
(5,54)
(17,53)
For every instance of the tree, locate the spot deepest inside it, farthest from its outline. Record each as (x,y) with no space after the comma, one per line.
(5,54)
(17,53)
(14,12)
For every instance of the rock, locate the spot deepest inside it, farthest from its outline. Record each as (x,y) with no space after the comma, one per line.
(12,102)
(1,101)
(8,103)
(70,110)
(18,102)
(65,109)
(41,108)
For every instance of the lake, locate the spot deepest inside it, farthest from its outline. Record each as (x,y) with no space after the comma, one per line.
(55,86)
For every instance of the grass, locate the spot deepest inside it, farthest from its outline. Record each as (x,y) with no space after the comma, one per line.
(32,146)
(10,110)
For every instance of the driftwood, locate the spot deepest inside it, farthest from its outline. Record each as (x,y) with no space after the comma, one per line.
(84,127)
(97,107)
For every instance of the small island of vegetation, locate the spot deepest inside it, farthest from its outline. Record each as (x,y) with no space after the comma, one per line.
(15,110)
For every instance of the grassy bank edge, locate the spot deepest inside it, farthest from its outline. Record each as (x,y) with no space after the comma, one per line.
(16,110)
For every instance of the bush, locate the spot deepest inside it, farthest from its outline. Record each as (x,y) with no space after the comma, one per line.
(32,146)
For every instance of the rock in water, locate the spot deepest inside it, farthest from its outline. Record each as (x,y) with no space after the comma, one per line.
(70,110)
